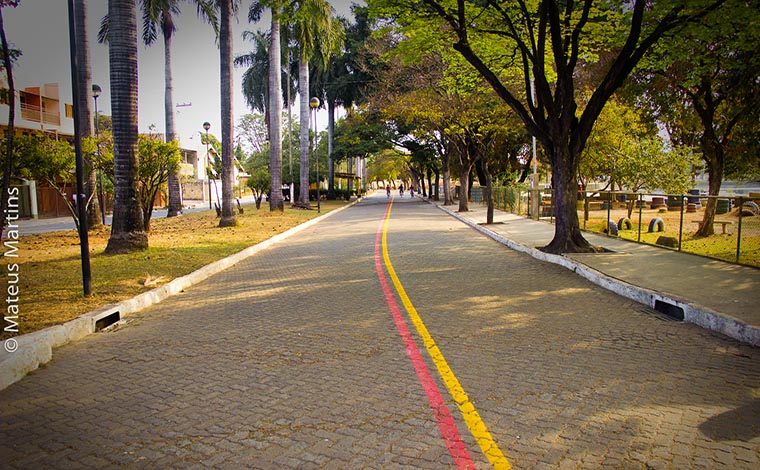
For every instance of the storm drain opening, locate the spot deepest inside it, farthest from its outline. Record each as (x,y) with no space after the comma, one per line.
(673,311)
(107,321)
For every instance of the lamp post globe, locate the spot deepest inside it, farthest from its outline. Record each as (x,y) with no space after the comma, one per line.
(96,90)
(314,104)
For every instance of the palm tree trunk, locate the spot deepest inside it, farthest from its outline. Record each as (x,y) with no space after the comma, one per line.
(175,194)
(290,127)
(228,163)
(303,137)
(85,110)
(275,115)
(127,233)
(330,163)
(8,165)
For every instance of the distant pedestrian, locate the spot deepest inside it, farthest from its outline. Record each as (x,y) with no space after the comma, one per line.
(411,191)
(401,190)
(388,191)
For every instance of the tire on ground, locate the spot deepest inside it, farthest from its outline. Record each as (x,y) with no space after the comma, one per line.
(612,228)
(625,224)
(656,225)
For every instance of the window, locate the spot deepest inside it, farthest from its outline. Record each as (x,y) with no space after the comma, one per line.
(69,111)
(5,96)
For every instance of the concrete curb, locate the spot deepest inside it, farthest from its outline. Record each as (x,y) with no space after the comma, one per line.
(693,312)
(23,354)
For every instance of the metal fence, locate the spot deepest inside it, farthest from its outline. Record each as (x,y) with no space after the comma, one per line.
(669,221)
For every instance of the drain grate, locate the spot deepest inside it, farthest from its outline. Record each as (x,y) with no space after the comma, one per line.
(107,321)
(658,315)
(671,310)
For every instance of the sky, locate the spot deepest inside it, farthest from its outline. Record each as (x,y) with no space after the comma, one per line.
(39,28)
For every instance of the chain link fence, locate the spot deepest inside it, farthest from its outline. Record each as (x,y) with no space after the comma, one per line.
(670,221)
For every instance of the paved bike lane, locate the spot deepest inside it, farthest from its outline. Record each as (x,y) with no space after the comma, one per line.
(566,374)
(291,359)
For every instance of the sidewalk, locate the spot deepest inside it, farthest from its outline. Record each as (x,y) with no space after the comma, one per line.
(716,295)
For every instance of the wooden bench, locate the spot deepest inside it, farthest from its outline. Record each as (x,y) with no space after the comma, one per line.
(723,224)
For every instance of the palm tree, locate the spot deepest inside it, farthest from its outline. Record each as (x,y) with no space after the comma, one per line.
(85,111)
(127,232)
(225,63)
(316,33)
(7,66)
(274,92)
(347,77)
(275,112)
(256,78)
(160,14)
(275,107)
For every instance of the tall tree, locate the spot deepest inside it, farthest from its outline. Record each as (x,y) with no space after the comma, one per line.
(706,89)
(127,232)
(347,78)
(86,127)
(256,76)
(275,112)
(318,35)
(228,218)
(274,92)
(550,41)
(256,80)
(160,15)
(7,65)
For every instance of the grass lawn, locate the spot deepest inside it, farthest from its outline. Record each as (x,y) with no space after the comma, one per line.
(50,280)
(720,246)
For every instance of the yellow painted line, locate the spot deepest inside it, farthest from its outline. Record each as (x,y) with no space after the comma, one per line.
(473,420)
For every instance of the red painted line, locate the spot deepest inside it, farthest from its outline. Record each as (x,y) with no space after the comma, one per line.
(446,425)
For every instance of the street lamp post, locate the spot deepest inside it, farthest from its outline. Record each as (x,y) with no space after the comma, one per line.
(206,127)
(314,104)
(81,199)
(101,194)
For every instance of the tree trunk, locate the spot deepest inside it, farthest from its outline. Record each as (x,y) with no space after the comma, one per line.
(127,233)
(447,198)
(228,218)
(275,116)
(8,166)
(712,157)
(94,218)
(330,164)
(713,154)
(175,193)
(303,136)
(147,210)
(487,190)
(290,128)
(567,232)
(464,186)
(435,188)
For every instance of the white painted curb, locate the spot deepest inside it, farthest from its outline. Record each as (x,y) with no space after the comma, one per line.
(693,312)
(33,349)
